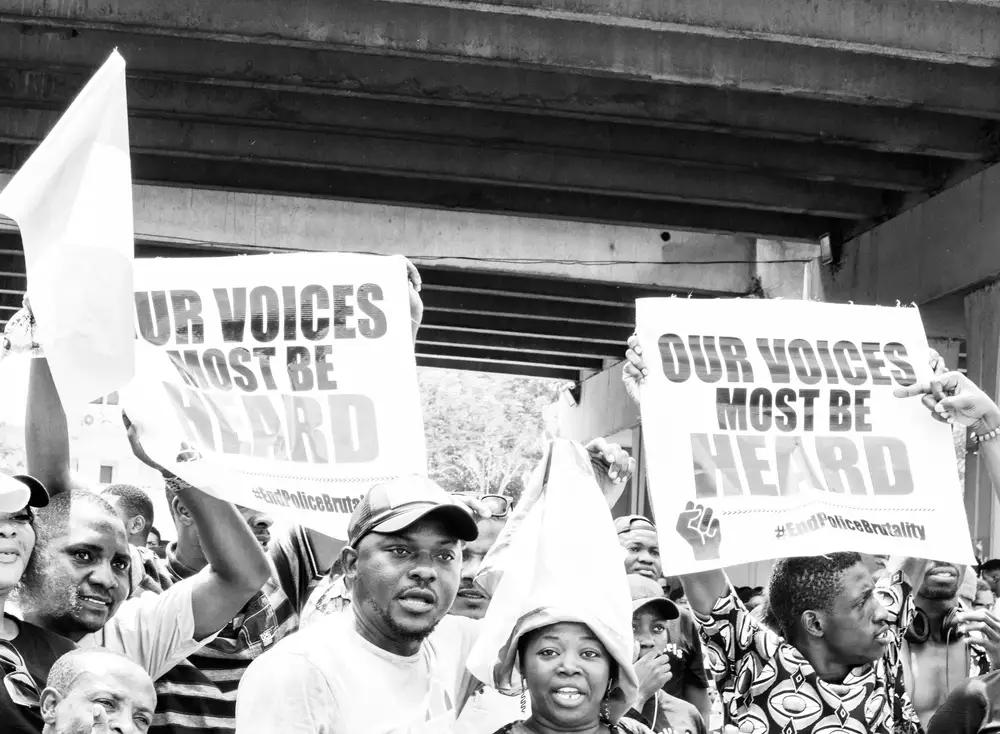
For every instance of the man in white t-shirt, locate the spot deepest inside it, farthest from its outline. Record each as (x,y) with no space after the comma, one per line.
(394,662)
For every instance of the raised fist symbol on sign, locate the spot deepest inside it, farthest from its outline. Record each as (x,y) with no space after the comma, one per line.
(700,529)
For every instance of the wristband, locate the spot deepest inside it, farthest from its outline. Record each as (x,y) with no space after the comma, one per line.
(984,437)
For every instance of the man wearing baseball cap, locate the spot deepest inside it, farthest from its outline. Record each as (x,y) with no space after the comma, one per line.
(683,647)
(395,657)
(661,712)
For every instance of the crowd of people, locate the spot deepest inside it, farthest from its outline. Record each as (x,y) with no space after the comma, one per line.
(240,625)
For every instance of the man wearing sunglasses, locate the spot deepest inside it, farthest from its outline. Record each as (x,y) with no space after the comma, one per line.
(689,680)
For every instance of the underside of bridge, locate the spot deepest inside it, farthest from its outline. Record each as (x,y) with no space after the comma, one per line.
(769,119)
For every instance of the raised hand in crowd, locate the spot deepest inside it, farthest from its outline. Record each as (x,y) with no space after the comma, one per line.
(981,628)
(634,372)
(156,632)
(954,398)
(416,303)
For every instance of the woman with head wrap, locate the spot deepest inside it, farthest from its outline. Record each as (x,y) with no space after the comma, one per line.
(574,680)
(559,627)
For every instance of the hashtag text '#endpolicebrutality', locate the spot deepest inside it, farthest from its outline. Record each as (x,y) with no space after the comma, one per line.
(821,520)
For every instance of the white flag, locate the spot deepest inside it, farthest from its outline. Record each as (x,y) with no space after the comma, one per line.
(72,200)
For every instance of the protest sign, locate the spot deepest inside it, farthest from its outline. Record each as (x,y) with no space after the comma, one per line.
(771,430)
(292,377)
(72,201)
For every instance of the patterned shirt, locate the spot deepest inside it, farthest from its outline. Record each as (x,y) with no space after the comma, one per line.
(768,687)
(199,694)
(330,596)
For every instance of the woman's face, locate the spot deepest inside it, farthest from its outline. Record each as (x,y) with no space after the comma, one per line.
(566,670)
(17,539)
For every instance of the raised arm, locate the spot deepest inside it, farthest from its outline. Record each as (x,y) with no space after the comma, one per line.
(237,567)
(703,590)
(46,432)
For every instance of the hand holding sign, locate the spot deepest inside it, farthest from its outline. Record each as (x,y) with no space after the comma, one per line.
(701,530)
(634,372)
(954,398)
(416,303)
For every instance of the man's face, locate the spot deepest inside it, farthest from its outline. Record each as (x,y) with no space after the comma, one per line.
(642,552)
(82,575)
(856,629)
(471,602)
(122,688)
(153,541)
(405,583)
(992,577)
(259,522)
(941,581)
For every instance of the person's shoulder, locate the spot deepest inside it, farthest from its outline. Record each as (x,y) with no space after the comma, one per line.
(456,631)
(682,715)
(631,726)
(32,639)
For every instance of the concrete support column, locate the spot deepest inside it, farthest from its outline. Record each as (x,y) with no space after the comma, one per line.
(982,318)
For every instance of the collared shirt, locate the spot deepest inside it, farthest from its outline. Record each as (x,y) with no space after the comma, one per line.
(768,687)
(199,694)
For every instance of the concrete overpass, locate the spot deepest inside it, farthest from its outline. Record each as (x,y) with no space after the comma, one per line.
(546,161)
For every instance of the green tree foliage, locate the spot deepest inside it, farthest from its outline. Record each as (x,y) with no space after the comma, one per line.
(485,432)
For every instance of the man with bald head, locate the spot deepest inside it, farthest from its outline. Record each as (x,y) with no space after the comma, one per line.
(97,691)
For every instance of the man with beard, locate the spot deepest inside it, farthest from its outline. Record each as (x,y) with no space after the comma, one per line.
(689,679)
(938,652)
(96,691)
(78,578)
(396,660)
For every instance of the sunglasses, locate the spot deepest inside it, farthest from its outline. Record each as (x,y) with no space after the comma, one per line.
(20,685)
(497,504)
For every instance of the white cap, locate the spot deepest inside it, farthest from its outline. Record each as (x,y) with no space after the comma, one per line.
(20,491)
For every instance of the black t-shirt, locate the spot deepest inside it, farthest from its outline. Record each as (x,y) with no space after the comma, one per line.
(972,708)
(40,649)
(687,662)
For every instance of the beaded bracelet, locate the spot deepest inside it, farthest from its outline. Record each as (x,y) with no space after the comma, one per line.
(976,438)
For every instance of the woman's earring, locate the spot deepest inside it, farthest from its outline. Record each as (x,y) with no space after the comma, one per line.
(606,711)
(524,699)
